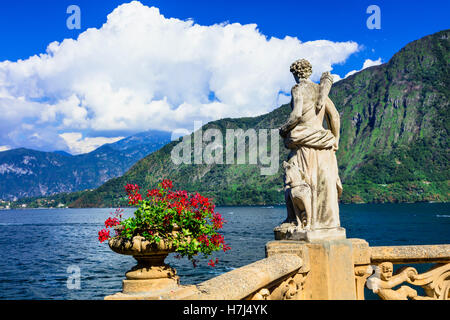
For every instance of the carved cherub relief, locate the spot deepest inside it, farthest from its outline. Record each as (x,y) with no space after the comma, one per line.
(383,281)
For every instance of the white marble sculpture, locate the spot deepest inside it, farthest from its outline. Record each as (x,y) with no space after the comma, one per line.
(312,184)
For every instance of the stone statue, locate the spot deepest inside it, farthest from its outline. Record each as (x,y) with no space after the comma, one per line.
(312,184)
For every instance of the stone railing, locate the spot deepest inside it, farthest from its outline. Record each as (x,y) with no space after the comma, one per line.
(276,277)
(322,270)
(378,273)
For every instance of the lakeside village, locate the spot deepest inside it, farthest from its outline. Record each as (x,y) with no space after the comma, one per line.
(57,201)
(35,204)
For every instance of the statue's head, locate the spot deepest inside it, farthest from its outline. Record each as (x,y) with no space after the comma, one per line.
(301,69)
(387,270)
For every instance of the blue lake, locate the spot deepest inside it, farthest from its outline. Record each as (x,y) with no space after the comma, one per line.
(40,248)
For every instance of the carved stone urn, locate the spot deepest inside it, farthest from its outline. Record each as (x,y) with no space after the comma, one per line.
(150,273)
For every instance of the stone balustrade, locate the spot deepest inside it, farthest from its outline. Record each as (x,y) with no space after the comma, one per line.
(248,282)
(323,270)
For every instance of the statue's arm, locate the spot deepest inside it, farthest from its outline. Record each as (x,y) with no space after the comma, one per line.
(296,114)
(333,120)
(326,81)
(394,281)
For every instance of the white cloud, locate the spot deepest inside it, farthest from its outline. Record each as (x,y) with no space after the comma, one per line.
(4,148)
(143,71)
(368,63)
(77,144)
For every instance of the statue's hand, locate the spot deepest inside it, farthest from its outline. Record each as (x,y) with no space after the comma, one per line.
(326,76)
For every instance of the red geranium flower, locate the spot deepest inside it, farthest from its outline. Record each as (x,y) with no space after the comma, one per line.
(111,222)
(213,263)
(103,235)
(167,184)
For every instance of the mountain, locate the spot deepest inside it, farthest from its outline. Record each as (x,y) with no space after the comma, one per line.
(395,126)
(31,173)
(394,140)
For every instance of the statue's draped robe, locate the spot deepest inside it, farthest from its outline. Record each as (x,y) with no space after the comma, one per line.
(311,151)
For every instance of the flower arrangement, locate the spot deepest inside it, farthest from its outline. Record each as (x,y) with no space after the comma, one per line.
(189,221)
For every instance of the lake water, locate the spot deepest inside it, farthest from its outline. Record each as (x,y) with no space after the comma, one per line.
(40,248)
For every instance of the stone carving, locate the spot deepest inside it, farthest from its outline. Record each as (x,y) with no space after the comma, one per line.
(290,289)
(312,184)
(383,280)
(435,282)
(262,294)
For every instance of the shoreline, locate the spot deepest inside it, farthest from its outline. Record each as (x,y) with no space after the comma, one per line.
(237,205)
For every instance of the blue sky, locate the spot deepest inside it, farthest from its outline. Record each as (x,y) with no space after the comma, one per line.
(62,114)
(32,25)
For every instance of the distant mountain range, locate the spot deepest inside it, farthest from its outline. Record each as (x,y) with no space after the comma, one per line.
(31,173)
(394,146)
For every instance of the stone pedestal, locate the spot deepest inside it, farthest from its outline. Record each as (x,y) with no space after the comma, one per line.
(289,231)
(329,265)
(332,276)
